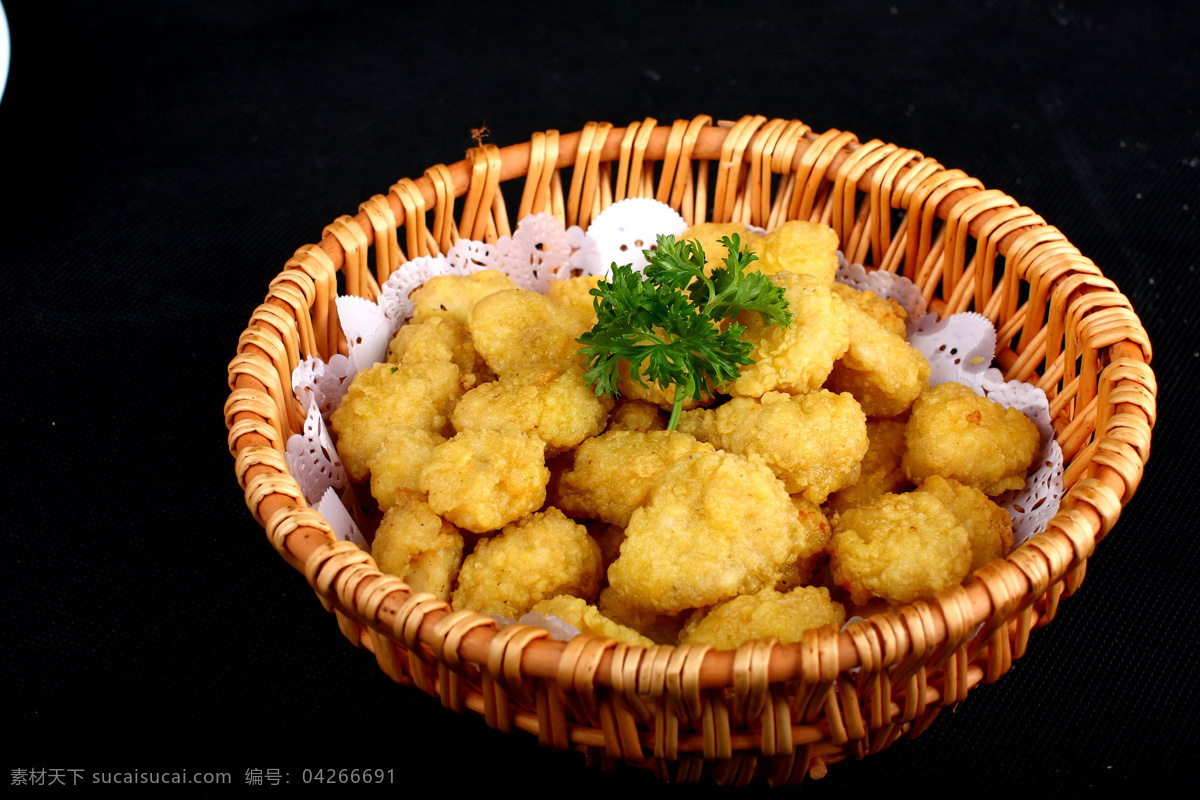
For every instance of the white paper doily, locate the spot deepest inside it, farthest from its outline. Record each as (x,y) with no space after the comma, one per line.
(313,459)
(623,230)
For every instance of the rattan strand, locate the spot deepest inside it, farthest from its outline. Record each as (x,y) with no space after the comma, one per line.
(780,710)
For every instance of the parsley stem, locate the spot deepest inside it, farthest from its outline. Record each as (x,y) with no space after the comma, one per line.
(680,393)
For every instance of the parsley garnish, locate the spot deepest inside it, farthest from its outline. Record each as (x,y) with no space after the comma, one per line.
(667,321)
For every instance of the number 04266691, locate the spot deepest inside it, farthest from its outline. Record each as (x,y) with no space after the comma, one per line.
(331,775)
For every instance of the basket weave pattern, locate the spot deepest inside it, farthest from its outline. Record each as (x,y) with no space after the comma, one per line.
(780,711)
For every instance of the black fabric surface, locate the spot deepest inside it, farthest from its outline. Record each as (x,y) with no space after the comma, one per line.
(161,161)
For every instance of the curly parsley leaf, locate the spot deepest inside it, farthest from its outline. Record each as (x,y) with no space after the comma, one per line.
(672,324)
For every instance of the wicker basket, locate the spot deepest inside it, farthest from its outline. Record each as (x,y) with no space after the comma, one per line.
(781,711)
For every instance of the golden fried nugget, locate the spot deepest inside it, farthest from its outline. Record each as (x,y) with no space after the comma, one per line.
(588,620)
(800,246)
(574,295)
(767,613)
(454,295)
(388,396)
(989,526)
(883,372)
(551,403)
(886,311)
(812,442)
(899,548)
(418,546)
(517,328)
(614,472)
(658,628)
(798,358)
(815,540)
(957,434)
(636,415)
(709,235)
(440,339)
(397,464)
(881,470)
(482,480)
(538,557)
(715,525)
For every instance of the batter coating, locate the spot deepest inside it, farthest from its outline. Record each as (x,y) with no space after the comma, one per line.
(803,247)
(768,613)
(538,557)
(636,415)
(989,527)
(587,619)
(483,480)
(883,372)
(387,396)
(517,328)
(614,472)
(418,546)
(715,525)
(551,403)
(900,548)
(881,472)
(817,532)
(957,434)
(574,295)
(886,311)
(798,358)
(398,463)
(440,339)
(812,442)
(454,295)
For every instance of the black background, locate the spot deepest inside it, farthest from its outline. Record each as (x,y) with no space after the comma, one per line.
(160,162)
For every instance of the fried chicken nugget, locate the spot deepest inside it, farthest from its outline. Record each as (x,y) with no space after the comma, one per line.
(517,328)
(989,527)
(881,473)
(574,295)
(886,311)
(709,235)
(398,463)
(588,620)
(386,396)
(798,358)
(803,247)
(440,339)
(812,442)
(615,471)
(533,559)
(957,434)
(715,525)
(454,295)
(549,402)
(899,548)
(767,613)
(883,371)
(636,415)
(482,480)
(418,546)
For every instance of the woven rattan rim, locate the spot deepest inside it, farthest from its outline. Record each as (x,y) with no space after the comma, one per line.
(797,706)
